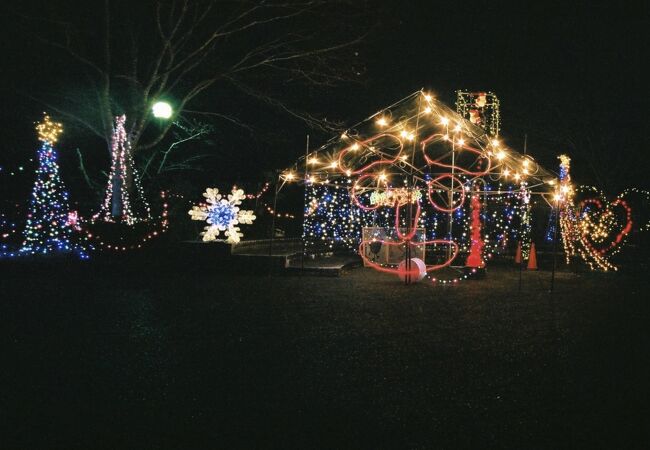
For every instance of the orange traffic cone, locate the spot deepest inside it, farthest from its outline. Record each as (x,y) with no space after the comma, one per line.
(532,258)
(518,253)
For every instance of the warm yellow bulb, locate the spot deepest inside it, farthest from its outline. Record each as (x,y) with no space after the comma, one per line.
(501,155)
(382,122)
(444,121)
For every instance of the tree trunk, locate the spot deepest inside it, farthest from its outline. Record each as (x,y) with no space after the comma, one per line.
(121,177)
(116,199)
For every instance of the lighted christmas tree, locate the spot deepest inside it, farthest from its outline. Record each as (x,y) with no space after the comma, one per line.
(118,202)
(48,229)
(475,258)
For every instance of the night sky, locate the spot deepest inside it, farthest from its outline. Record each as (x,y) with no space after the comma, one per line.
(569,76)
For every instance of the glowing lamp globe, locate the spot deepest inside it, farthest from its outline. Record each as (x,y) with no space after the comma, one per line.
(162,110)
(417,271)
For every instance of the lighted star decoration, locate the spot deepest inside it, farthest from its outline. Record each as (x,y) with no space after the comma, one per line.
(222,215)
(49,131)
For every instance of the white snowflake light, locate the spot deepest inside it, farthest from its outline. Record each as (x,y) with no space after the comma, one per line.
(222,214)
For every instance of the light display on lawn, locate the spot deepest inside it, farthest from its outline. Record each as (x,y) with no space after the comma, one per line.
(411,167)
(564,204)
(156,228)
(47,228)
(575,236)
(592,227)
(118,204)
(222,214)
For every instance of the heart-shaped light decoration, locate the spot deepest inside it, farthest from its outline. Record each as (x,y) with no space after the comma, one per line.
(601,226)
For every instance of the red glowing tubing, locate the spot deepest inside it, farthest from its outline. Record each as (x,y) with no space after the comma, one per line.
(436,162)
(396,271)
(354,193)
(412,226)
(619,237)
(462,193)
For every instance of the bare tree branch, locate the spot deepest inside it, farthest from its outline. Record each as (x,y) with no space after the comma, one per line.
(178,49)
(82,168)
(311,121)
(229,118)
(69,115)
(196,133)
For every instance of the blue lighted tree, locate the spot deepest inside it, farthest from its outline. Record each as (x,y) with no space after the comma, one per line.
(48,228)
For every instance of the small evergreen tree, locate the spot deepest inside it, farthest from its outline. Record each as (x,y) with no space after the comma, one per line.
(48,229)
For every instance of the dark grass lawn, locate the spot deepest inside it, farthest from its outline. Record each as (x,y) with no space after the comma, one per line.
(126,354)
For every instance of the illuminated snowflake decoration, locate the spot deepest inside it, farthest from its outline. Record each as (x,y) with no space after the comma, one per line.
(222,214)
